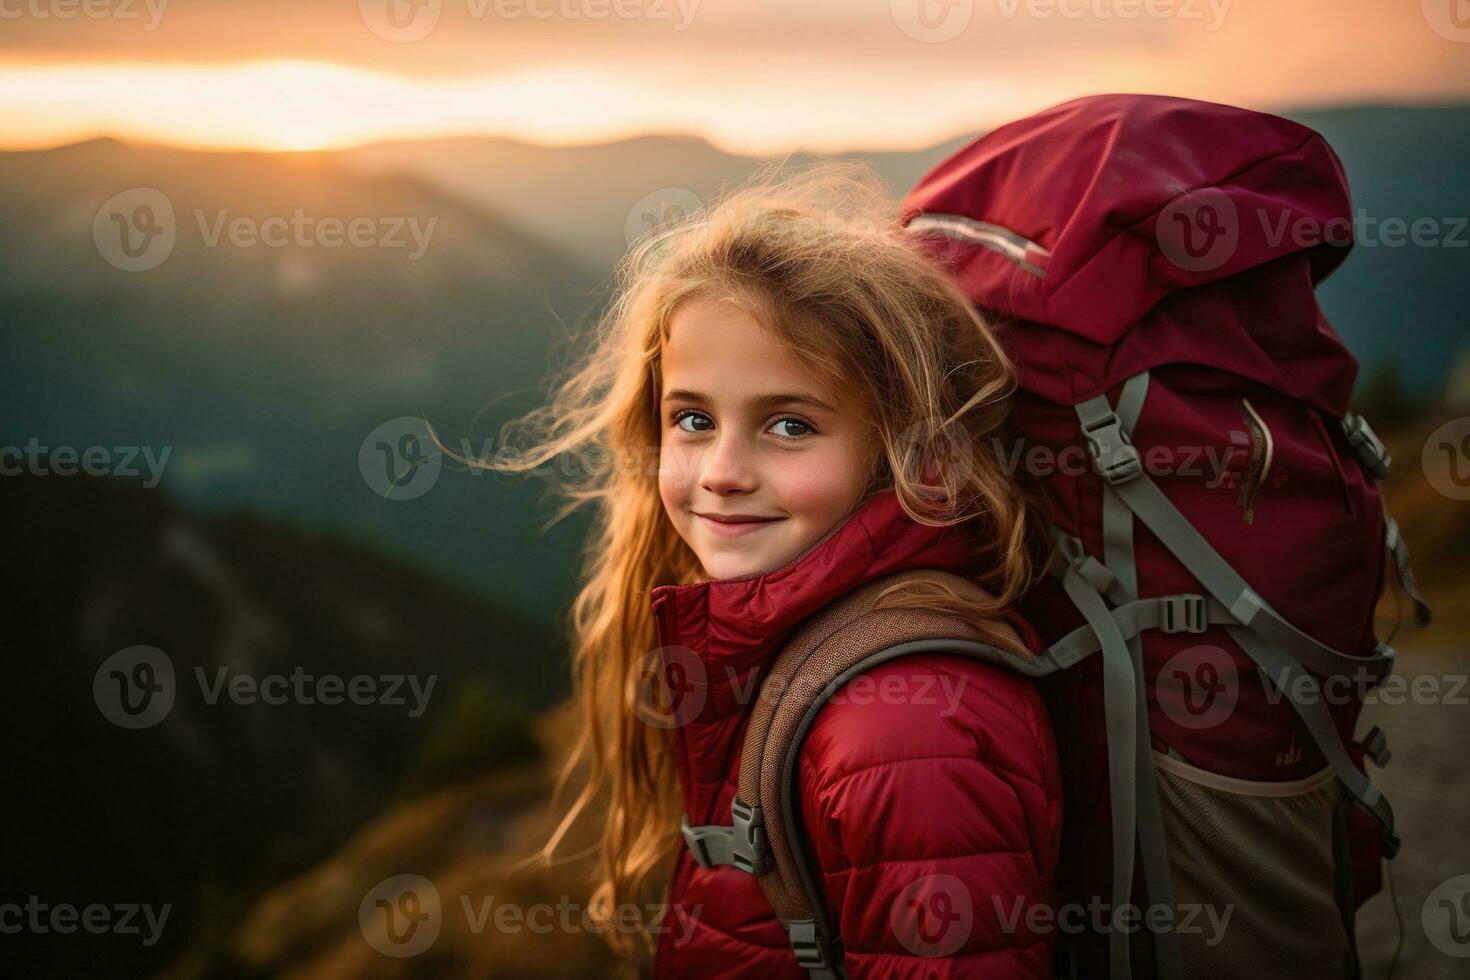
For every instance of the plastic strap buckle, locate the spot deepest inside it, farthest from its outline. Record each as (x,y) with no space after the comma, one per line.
(1185,614)
(748,850)
(1365,441)
(697,840)
(1112,454)
(810,948)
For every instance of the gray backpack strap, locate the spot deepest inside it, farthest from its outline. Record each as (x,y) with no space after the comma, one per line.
(1398,560)
(1119,463)
(1133,797)
(1121,706)
(1183,613)
(1186,613)
(1271,638)
(1365,442)
(1302,689)
(1376,460)
(848,637)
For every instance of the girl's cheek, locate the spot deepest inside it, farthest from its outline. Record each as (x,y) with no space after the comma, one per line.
(813,483)
(676,469)
(822,487)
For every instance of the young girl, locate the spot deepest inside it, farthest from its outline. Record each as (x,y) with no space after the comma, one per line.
(788,400)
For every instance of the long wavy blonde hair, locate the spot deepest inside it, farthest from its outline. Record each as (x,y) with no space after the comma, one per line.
(816,255)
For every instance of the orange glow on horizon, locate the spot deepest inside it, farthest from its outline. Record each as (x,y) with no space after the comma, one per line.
(278,105)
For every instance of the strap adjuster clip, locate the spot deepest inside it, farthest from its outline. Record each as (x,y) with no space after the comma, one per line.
(811,949)
(697,843)
(1185,614)
(741,844)
(1370,449)
(748,850)
(1113,455)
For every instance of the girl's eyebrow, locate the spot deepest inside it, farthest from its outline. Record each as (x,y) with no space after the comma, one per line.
(758,403)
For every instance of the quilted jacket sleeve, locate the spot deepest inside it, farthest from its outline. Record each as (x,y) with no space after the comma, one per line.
(930,791)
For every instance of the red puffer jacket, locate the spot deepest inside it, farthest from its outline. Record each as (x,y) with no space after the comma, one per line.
(929,785)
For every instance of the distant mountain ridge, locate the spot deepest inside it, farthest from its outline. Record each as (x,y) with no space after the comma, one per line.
(1395,306)
(266,368)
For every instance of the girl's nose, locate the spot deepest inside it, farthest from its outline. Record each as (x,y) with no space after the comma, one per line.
(727,468)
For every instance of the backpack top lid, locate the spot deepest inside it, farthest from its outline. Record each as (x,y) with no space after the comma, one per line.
(1209,224)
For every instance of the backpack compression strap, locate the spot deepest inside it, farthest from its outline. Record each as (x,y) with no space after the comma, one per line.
(1276,646)
(845,639)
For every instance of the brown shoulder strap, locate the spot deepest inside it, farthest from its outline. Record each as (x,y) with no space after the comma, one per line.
(849,636)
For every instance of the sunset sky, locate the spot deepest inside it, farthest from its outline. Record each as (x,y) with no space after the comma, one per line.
(757,77)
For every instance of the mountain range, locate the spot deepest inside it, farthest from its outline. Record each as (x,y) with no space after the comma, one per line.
(270,369)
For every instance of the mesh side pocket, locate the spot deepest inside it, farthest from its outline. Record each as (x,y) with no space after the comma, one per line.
(1260,853)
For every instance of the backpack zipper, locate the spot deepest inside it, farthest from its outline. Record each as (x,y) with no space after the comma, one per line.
(1258,466)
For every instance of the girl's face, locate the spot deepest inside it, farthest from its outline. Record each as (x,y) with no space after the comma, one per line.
(757,460)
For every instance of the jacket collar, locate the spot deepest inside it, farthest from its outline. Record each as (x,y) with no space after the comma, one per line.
(727,620)
(717,636)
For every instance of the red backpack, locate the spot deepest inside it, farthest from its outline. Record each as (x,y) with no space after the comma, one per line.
(1150,263)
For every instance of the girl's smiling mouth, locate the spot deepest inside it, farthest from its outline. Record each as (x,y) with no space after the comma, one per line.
(734,525)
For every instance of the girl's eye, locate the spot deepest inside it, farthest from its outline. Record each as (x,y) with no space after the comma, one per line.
(803,429)
(795,429)
(688,414)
